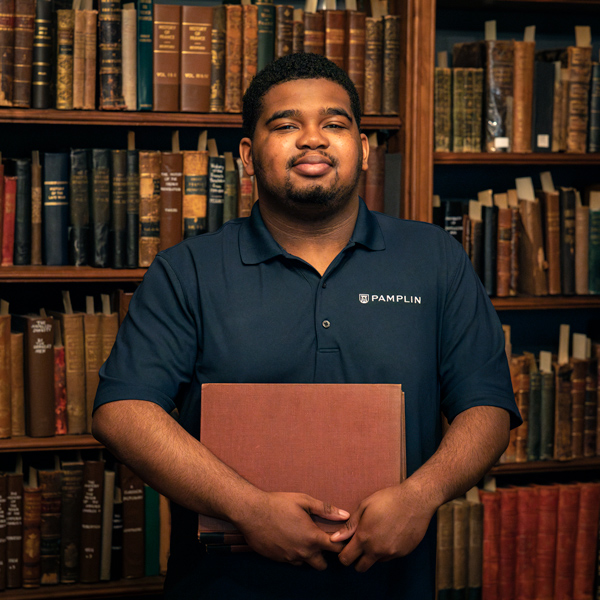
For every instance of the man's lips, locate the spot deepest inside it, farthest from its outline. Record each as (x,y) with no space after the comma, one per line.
(312,165)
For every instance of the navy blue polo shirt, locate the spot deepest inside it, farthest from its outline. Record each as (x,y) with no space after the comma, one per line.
(400,304)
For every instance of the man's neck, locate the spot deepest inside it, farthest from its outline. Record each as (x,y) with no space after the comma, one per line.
(316,241)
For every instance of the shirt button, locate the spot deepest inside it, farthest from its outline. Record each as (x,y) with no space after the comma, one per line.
(326,324)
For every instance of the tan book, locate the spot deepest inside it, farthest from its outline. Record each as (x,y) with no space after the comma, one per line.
(149,240)
(373,65)
(195,181)
(269,434)
(442,125)
(64,62)
(298,31)
(390,86)
(17,385)
(524,58)
(92,332)
(233,58)
(129,50)
(78,58)
(355,57)
(582,245)
(445,544)
(167,53)
(499,92)
(110,327)
(249,44)
(284,33)
(532,270)
(579,68)
(90,68)
(550,204)
(5,368)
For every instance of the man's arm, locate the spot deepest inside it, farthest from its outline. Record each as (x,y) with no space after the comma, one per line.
(392,522)
(278,525)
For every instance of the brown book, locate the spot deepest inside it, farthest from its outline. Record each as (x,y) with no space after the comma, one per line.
(475,551)
(582,245)
(566,539)
(110,55)
(508,540)
(390,87)
(8,222)
(3,565)
(17,385)
(515,244)
(586,550)
(233,58)
(78,59)
(579,69)
(268,434)
(167,53)
(527,521)
(64,62)
(578,385)
(550,204)
(23,53)
(7,49)
(196,26)
(50,485)
(460,98)
(591,408)
(61,422)
(39,373)
(524,58)
(195,182)
(562,412)
(246,191)
(545,543)
(171,179)
(32,518)
(110,328)
(490,582)
(70,525)
(91,521)
(89,63)
(14,530)
(314,33)
(92,333)
(284,34)
(460,546)
(522,389)
(149,240)
(36,209)
(532,271)
(298,31)
(445,544)
(5,379)
(132,488)
(334,22)
(503,252)
(355,57)
(249,44)
(373,65)
(442,91)
(375,177)
(558,143)
(217,60)
(499,88)
(129,40)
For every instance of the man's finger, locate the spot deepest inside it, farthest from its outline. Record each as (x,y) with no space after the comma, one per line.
(364,563)
(350,553)
(347,530)
(325,510)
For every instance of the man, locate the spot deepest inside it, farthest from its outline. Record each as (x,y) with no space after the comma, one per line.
(311,288)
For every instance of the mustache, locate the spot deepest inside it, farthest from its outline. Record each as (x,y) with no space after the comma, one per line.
(290,163)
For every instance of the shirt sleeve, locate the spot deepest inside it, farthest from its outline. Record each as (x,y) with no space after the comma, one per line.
(473,365)
(156,348)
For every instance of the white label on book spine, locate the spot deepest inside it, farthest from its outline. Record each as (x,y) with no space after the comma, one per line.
(543,140)
(501,142)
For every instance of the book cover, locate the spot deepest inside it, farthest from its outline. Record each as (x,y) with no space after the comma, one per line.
(8,221)
(523,76)
(171,180)
(355,56)
(23,53)
(132,489)
(562,412)
(92,332)
(50,485)
(217,60)
(475,553)
(594,247)
(89,59)
(118,208)
(70,525)
(508,541)
(233,58)
(567,239)
(107,524)
(532,269)
(590,410)
(460,547)
(314,32)
(503,248)
(151,532)
(216,192)
(490,576)
(32,519)
(527,525)
(78,58)
(266,33)
(167,54)
(579,72)
(499,87)
(149,211)
(14,530)
(445,544)
(22,240)
(373,65)
(284,33)
(442,94)
(116,553)
(390,90)
(91,521)
(547,416)
(582,246)
(144,55)
(7,47)
(298,31)
(3,562)
(79,208)
(230,197)
(37,186)
(129,52)
(64,62)
(133,209)
(545,544)
(594,121)
(246,190)
(550,206)
(543,106)
(110,56)
(17,384)
(195,192)
(490,240)
(578,384)
(249,44)
(566,539)
(60,385)
(100,208)
(5,379)
(586,541)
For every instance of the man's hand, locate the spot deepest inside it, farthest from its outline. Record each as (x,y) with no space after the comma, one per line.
(388,524)
(280,527)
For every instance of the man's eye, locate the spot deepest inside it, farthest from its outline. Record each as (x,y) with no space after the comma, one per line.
(284,127)
(334,126)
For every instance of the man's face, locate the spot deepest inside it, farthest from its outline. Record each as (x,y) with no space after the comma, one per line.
(307,152)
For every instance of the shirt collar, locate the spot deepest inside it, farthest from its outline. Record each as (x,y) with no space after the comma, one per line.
(257,244)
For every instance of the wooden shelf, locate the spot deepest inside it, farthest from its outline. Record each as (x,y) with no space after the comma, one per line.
(546,302)
(152,119)
(59,442)
(46,274)
(512,158)
(547,466)
(130,588)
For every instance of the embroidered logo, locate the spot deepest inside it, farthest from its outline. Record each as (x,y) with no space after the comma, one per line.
(395,298)
(364,298)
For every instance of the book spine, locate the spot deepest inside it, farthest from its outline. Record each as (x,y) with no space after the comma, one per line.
(522,396)
(132,488)
(72,333)
(110,59)
(118,208)
(490,581)
(36,213)
(582,232)
(7,49)
(41,76)
(375,178)
(149,236)
(50,485)
(490,240)
(297,35)
(460,548)
(266,34)
(499,86)
(92,333)
(217,60)
(545,546)
(56,208)
(230,200)
(116,554)
(527,512)
(246,190)
(594,123)
(5,387)
(515,242)
(64,63)
(567,241)
(566,539)
(195,192)
(335,36)
(459,109)
(151,532)
(91,521)
(8,224)
(503,252)
(14,530)
(562,413)
(107,520)
(22,247)
(594,253)
(171,176)
(17,384)
(129,45)
(442,91)
(535,401)
(100,208)
(543,108)
(60,391)
(133,208)
(79,208)
(590,423)
(373,65)
(249,44)
(579,75)
(216,192)
(468,109)
(90,41)
(32,504)
(314,33)
(390,90)
(524,58)
(508,541)
(355,58)
(70,525)
(552,231)
(445,543)
(475,124)
(144,55)
(233,58)
(167,53)
(3,498)
(586,551)
(578,384)
(23,52)
(547,417)
(78,58)
(284,35)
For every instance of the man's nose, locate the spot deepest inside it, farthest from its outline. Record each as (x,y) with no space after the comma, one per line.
(312,136)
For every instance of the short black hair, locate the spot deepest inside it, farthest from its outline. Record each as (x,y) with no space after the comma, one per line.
(302,65)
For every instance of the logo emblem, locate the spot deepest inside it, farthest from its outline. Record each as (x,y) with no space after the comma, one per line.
(364,298)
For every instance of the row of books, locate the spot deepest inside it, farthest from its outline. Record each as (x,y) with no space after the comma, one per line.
(81,521)
(504,96)
(538,541)
(166,57)
(49,367)
(558,397)
(523,241)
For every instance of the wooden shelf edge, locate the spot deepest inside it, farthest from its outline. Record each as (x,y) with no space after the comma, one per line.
(45,274)
(546,302)
(125,587)
(84,441)
(512,158)
(547,466)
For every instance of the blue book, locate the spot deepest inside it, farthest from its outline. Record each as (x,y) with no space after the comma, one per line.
(144,55)
(55,208)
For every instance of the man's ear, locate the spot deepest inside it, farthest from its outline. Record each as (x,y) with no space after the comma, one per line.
(364,140)
(246,155)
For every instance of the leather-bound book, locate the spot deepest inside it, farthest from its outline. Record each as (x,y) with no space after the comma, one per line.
(298,31)
(550,206)
(100,208)
(579,67)
(89,61)
(149,237)
(586,552)
(543,106)
(594,123)
(110,327)
(594,243)
(7,49)
(171,184)
(474,581)
(578,375)
(145,57)
(61,420)
(533,278)
(23,54)
(132,488)
(233,58)
(509,515)
(37,186)
(246,188)
(490,580)
(17,384)
(50,485)
(41,76)
(78,58)
(545,544)
(14,530)
(216,191)
(582,248)
(490,240)
(230,198)
(445,544)
(8,222)
(567,240)
(133,208)
(151,532)
(266,33)
(469,54)
(390,89)
(110,57)
(527,513)
(91,521)
(64,62)
(39,373)
(129,54)
(314,33)
(515,244)
(164,508)
(591,409)
(477,247)
(92,336)
(70,525)
(5,382)
(566,539)
(22,248)
(460,547)
(375,178)
(355,56)
(217,59)
(195,192)
(284,35)
(79,208)
(107,519)
(547,416)
(460,99)
(56,208)
(535,401)
(442,92)
(474,111)
(116,554)
(196,26)
(524,59)
(499,87)
(32,518)
(3,565)
(249,44)
(336,46)
(562,412)
(299,453)
(373,65)
(503,251)
(522,391)
(118,208)
(559,115)
(167,54)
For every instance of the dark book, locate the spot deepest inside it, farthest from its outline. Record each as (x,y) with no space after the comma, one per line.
(499,88)
(266,34)
(116,555)
(547,394)
(79,208)
(230,198)
(578,383)
(7,49)
(133,209)
(503,249)
(460,98)
(469,55)
(149,236)
(594,122)
(91,521)
(171,184)
(56,208)
(543,106)
(100,208)
(298,31)
(14,530)
(25,11)
(460,547)
(567,240)
(8,224)
(445,546)
(586,549)
(167,54)
(118,208)
(335,36)
(195,192)
(373,65)
(590,416)
(454,211)
(70,524)
(355,56)
(216,192)
(284,33)
(60,384)
(490,240)
(491,544)
(22,248)
(144,55)
(151,532)
(233,58)
(314,33)
(32,517)
(477,247)
(535,402)
(551,219)
(475,551)
(566,538)
(442,92)
(562,412)
(390,88)
(37,186)
(110,59)
(50,485)
(3,506)
(579,66)
(594,247)
(132,489)
(217,60)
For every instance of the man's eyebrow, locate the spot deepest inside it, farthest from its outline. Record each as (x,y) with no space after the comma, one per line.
(336,111)
(284,114)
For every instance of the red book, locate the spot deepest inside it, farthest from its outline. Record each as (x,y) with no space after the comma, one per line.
(566,539)
(527,525)
(508,541)
(8,223)
(490,586)
(545,551)
(60,390)
(587,537)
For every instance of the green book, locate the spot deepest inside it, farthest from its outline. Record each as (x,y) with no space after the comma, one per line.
(535,401)
(594,245)
(266,33)
(152,531)
(547,416)
(144,55)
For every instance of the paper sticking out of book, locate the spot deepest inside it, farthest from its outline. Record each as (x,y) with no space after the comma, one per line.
(474,210)
(583,36)
(547,182)
(442,59)
(529,35)
(545,362)
(486,198)
(525,189)
(490,31)
(563,344)
(582,346)
(595,200)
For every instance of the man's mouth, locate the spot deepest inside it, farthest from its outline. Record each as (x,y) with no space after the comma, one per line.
(312,165)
